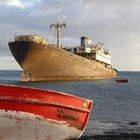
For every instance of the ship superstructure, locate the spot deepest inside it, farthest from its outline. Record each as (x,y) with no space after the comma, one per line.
(93,52)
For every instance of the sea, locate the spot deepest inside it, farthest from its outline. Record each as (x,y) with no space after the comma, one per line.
(115,114)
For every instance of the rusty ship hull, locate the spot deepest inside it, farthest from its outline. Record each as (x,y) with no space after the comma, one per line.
(46,62)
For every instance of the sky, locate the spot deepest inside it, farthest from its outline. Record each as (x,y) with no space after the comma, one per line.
(116,23)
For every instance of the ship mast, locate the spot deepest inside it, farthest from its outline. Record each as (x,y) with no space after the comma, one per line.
(58,26)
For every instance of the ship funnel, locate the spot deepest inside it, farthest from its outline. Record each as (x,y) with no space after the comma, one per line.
(86,42)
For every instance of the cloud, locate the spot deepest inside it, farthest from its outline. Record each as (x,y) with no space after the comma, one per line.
(22,4)
(16,3)
(115,23)
(13,3)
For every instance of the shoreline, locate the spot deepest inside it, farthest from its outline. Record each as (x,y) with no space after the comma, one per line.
(113,136)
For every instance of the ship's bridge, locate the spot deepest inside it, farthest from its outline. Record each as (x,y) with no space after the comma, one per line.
(90,51)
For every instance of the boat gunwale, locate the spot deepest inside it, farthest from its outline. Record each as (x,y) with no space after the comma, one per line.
(38,89)
(31,101)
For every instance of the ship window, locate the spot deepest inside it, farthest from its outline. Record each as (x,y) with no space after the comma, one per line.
(75,50)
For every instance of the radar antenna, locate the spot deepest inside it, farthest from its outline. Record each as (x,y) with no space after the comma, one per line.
(58,26)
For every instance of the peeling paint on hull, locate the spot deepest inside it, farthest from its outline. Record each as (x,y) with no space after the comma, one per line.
(25,126)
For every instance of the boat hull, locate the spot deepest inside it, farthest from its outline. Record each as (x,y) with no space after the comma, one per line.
(24,126)
(43,63)
(122,80)
(28,113)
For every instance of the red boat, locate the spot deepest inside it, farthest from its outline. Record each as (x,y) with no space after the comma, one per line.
(35,114)
(122,80)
